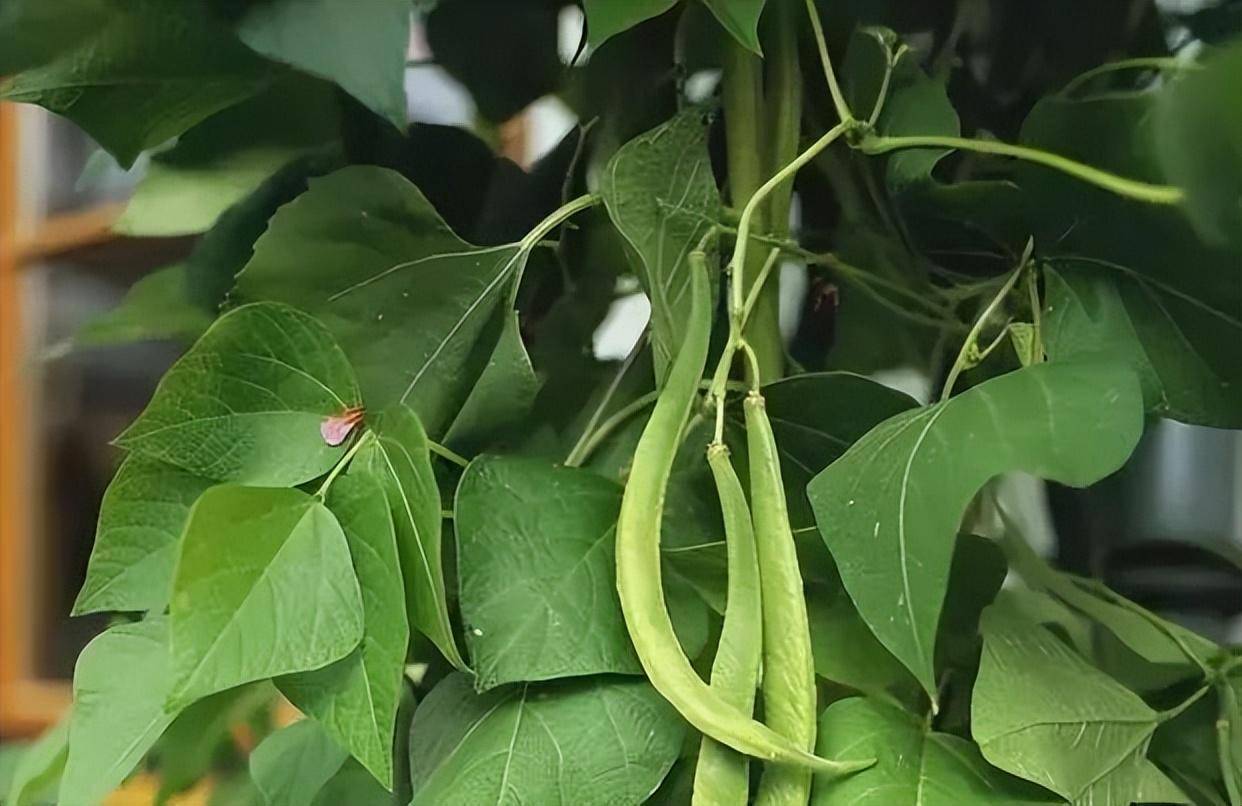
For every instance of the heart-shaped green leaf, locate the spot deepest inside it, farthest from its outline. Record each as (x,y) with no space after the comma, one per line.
(889,509)
(246,402)
(264,586)
(410,302)
(599,741)
(356,698)
(1074,730)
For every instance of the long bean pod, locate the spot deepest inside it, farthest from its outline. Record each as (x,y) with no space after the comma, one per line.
(722,775)
(638,562)
(789,694)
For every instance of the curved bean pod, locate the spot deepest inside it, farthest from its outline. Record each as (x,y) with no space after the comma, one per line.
(638,562)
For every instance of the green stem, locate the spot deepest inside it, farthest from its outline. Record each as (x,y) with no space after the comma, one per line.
(1137,63)
(1178,710)
(889,64)
(1224,744)
(838,99)
(364,439)
(533,238)
(1127,188)
(586,447)
(448,453)
(576,455)
(973,336)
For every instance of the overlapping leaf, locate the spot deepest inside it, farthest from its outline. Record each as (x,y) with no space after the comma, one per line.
(501,398)
(1074,730)
(913,764)
(146,71)
(120,685)
(141,517)
(356,698)
(595,742)
(293,764)
(157,307)
(410,302)
(37,772)
(661,195)
(400,459)
(607,18)
(538,579)
(33,32)
(889,509)
(740,18)
(246,402)
(227,157)
(264,586)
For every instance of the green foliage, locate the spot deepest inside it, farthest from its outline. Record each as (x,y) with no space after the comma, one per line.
(384,479)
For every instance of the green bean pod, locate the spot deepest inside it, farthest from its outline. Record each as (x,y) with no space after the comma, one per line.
(789,693)
(722,775)
(638,562)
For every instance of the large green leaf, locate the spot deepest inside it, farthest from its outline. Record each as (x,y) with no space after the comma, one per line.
(356,698)
(409,301)
(202,736)
(400,458)
(740,18)
(37,773)
(889,509)
(913,764)
(33,32)
(538,581)
(360,46)
(247,401)
(661,195)
(263,587)
(607,18)
(293,764)
(145,73)
(503,396)
(157,307)
(1231,716)
(120,685)
(595,742)
(225,158)
(846,652)
(1073,730)
(141,518)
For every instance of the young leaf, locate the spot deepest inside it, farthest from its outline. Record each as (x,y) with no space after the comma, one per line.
(536,560)
(224,159)
(141,517)
(39,767)
(401,460)
(120,687)
(661,195)
(157,307)
(740,18)
(167,66)
(913,764)
(1074,730)
(409,301)
(293,764)
(502,397)
(366,54)
(599,741)
(356,698)
(263,587)
(607,18)
(889,508)
(245,403)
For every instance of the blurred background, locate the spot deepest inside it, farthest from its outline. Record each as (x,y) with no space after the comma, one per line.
(1146,531)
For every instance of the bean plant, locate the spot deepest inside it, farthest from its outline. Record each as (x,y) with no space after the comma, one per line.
(391,481)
